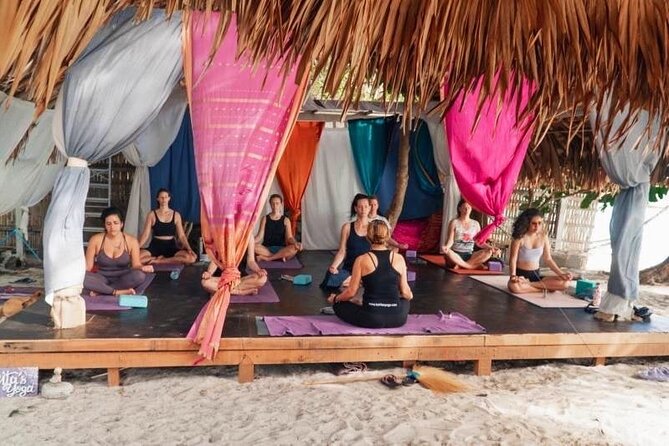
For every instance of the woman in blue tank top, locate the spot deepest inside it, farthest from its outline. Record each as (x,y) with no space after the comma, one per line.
(168,239)
(352,243)
(529,246)
(383,273)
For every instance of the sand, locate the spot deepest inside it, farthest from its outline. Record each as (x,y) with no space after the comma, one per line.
(522,403)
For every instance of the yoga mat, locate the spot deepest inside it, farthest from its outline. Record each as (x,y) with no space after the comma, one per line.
(293,263)
(138,290)
(556,299)
(169,267)
(103,303)
(452,323)
(439,261)
(266,295)
(22,290)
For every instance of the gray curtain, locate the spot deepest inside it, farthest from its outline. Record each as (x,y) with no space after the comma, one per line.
(147,151)
(628,161)
(448,184)
(110,95)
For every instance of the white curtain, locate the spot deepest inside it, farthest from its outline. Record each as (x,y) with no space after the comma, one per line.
(333,184)
(147,151)
(448,184)
(25,180)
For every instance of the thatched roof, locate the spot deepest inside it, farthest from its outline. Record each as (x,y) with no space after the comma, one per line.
(573,50)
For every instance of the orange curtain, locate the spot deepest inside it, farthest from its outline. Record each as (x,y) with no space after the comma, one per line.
(295,165)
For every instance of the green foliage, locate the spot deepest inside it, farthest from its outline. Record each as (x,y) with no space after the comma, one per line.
(655,194)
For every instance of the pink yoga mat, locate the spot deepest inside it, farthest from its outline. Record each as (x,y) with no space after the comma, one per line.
(12,290)
(266,295)
(451,323)
(293,263)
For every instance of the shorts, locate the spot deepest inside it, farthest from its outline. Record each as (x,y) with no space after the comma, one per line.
(531,275)
(275,249)
(464,255)
(165,248)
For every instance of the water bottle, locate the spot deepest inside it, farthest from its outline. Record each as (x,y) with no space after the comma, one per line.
(174,274)
(597,296)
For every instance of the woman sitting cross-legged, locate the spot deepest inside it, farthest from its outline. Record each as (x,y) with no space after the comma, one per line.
(383,273)
(528,247)
(353,242)
(115,257)
(459,248)
(169,243)
(248,284)
(275,239)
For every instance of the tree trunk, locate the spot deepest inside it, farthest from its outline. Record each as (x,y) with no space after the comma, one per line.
(402,179)
(656,274)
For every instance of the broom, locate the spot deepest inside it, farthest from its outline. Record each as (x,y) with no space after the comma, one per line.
(16,304)
(437,380)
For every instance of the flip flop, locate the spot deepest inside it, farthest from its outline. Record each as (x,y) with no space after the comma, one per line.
(660,374)
(391,381)
(590,308)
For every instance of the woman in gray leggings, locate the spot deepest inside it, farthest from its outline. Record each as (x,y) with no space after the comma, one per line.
(112,259)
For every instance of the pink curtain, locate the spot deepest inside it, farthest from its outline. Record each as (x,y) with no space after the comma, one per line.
(241,122)
(487,151)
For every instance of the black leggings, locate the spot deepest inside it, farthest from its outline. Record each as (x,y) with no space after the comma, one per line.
(361,316)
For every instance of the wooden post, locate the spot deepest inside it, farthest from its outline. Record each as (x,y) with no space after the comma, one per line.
(483,367)
(114,377)
(408,364)
(599,361)
(246,370)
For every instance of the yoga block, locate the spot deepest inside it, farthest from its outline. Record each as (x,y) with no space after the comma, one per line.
(302,279)
(133,300)
(411,276)
(585,286)
(495,266)
(410,254)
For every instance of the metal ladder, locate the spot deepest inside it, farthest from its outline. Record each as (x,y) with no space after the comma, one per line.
(99,197)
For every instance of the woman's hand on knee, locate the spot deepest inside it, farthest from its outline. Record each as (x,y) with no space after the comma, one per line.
(147,268)
(333,269)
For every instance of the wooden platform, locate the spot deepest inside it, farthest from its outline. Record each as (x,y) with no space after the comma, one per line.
(154,337)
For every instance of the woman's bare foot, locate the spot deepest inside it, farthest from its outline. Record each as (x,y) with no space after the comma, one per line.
(93,294)
(124,291)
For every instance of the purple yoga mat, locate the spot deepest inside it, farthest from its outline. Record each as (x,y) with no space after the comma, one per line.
(103,303)
(278,264)
(21,290)
(159,267)
(138,290)
(266,295)
(451,323)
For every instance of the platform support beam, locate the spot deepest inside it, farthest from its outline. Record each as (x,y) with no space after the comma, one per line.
(599,361)
(246,370)
(113,377)
(483,367)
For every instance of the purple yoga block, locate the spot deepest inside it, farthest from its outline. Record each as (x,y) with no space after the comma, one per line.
(411,276)
(495,266)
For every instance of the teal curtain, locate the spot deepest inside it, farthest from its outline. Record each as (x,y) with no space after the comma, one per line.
(421,161)
(370,139)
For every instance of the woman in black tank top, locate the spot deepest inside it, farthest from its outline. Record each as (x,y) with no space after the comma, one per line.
(353,242)
(385,301)
(168,234)
(275,240)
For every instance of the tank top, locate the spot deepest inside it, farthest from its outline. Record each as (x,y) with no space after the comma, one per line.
(161,229)
(275,232)
(463,240)
(382,291)
(530,255)
(355,246)
(110,266)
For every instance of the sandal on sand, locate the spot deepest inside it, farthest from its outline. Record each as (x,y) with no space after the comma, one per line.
(351,367)
(391,381)
(660,374)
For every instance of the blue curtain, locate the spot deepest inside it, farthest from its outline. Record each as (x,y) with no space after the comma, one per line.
(370,139)
(176,172)
(417,203)
(421,161)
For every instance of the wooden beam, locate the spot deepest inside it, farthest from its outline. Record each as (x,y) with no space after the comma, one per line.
(483,367)
(113,377)
(246,370)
